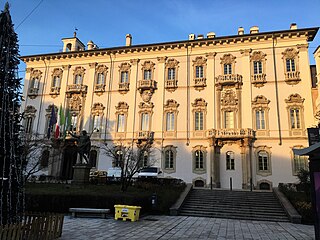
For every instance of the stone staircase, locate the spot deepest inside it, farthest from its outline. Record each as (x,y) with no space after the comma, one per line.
(233,204)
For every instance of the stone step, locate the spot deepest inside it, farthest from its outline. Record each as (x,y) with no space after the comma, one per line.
(247,208)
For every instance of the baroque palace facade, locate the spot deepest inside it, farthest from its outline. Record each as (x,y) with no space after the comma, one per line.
(218,108)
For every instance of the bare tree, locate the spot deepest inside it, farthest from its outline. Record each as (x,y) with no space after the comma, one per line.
(131,159)
(38,154)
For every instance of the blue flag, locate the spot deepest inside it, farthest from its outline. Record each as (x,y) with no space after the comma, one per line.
(53,120)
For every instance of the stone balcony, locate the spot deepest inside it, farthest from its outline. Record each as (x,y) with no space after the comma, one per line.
(124,87)
(144,135)
(77,88)
(33,92)
(258,79)
(229,79)
(200,83)
(99,88)
(292,78)
(147,85)
(171,85)
(225,133)
(54,91)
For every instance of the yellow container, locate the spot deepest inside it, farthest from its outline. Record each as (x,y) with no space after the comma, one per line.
(125,212)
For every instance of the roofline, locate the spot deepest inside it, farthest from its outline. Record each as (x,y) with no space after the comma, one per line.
(316,49)
(311,32)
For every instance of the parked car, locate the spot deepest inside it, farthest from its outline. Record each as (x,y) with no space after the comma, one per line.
(150,172)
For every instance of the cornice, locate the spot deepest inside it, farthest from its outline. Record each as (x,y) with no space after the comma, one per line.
(309,33)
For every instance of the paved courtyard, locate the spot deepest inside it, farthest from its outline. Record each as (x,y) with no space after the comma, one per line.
(180,227)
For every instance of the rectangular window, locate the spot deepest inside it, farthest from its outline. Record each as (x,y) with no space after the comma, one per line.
(100,78)
(29,121)
(169,159)
(263,162)
(290,65)
(228,119)
(170,121)
(78,79)
(198,121)
(295,118)
(35,83)
(199,159)
(300,162)
(171,73)
(96,122)
(144,122)
(147,74)
(121,123)
(257,67)
(260,120)
(199,71)
(74,121)
(56,81)
(230,161)
(124,77)
(227,69)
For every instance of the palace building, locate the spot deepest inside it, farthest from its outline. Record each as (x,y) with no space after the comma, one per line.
(218,108)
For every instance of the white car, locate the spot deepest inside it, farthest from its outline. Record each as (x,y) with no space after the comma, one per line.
(150,172)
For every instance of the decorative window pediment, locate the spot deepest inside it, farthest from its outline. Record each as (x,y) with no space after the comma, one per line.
(122,107)
(291,66)
(228,59)
(260,109)
(229,98)
(199,73)
(294,99)
(258,66)
(199,103)
(97,109)
(171,105)
(78,74)
(124,77)
(35,77)
(295,115)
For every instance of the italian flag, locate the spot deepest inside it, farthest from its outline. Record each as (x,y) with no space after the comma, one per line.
(60,123)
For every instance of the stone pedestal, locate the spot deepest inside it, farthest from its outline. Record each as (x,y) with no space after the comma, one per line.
(81,174)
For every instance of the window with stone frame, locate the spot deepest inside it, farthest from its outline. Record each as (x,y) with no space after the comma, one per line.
(121,118)
(230,165)
(97,116)
(260,113)
(229,109)
(56,82)
(47,123)
(199,112)
(29,116)
(35,77)
(199,155)
(44,159)
(199,73)
(171,114)
(258,66)
(228,62)
(78,75)
(124,77)
(170,153)
(299,162)
(171,81)
(291,66)
(263,160)
(100,81)
(295,111)
(145,115)
(148,70)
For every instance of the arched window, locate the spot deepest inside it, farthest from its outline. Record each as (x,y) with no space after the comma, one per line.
(68,47)
(168,159)
(199,159)
(263,161)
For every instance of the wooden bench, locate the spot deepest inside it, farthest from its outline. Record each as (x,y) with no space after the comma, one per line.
(89,212)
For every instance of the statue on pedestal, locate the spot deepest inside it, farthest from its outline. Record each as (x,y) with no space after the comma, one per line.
(83,146)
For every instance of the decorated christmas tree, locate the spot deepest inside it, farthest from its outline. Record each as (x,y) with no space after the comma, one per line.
(11,165)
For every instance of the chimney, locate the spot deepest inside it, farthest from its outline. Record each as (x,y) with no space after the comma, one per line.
(90,45)
(254,30)
(128,40)
(211,35)
(200,36)
(293,26)
(192,36)
(240,31)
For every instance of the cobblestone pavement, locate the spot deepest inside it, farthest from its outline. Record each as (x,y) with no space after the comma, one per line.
(180,227)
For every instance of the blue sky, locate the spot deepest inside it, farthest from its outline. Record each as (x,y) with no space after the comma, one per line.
(107,22)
